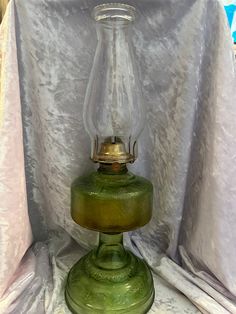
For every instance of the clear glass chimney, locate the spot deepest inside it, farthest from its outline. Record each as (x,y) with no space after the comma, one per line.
(113,108)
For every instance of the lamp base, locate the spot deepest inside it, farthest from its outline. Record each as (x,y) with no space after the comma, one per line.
(109,280)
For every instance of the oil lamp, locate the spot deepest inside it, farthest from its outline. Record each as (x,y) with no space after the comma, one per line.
(111,279)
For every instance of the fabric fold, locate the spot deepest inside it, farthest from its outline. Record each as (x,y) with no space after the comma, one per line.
(15,229)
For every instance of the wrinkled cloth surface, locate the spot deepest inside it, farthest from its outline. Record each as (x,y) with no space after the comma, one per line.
(187,150)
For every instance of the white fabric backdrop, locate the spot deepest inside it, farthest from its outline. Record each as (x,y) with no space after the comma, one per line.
(187,150)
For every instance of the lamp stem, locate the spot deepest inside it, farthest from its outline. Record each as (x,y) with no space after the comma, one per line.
(110,253)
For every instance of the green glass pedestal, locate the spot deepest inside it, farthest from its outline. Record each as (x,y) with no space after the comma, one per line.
(110,280)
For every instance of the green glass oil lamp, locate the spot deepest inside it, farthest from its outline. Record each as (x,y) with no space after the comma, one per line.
(111,279)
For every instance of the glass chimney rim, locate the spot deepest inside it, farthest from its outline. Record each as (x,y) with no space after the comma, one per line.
(114,11)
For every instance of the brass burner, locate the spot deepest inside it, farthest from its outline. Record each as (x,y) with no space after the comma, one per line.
(113,152)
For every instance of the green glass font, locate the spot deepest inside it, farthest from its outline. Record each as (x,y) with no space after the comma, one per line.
(111,202)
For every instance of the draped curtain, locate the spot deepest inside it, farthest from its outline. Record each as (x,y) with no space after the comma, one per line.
(188,150)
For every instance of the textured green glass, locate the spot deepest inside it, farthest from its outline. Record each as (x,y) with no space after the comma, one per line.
(110,280)
(109,201)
